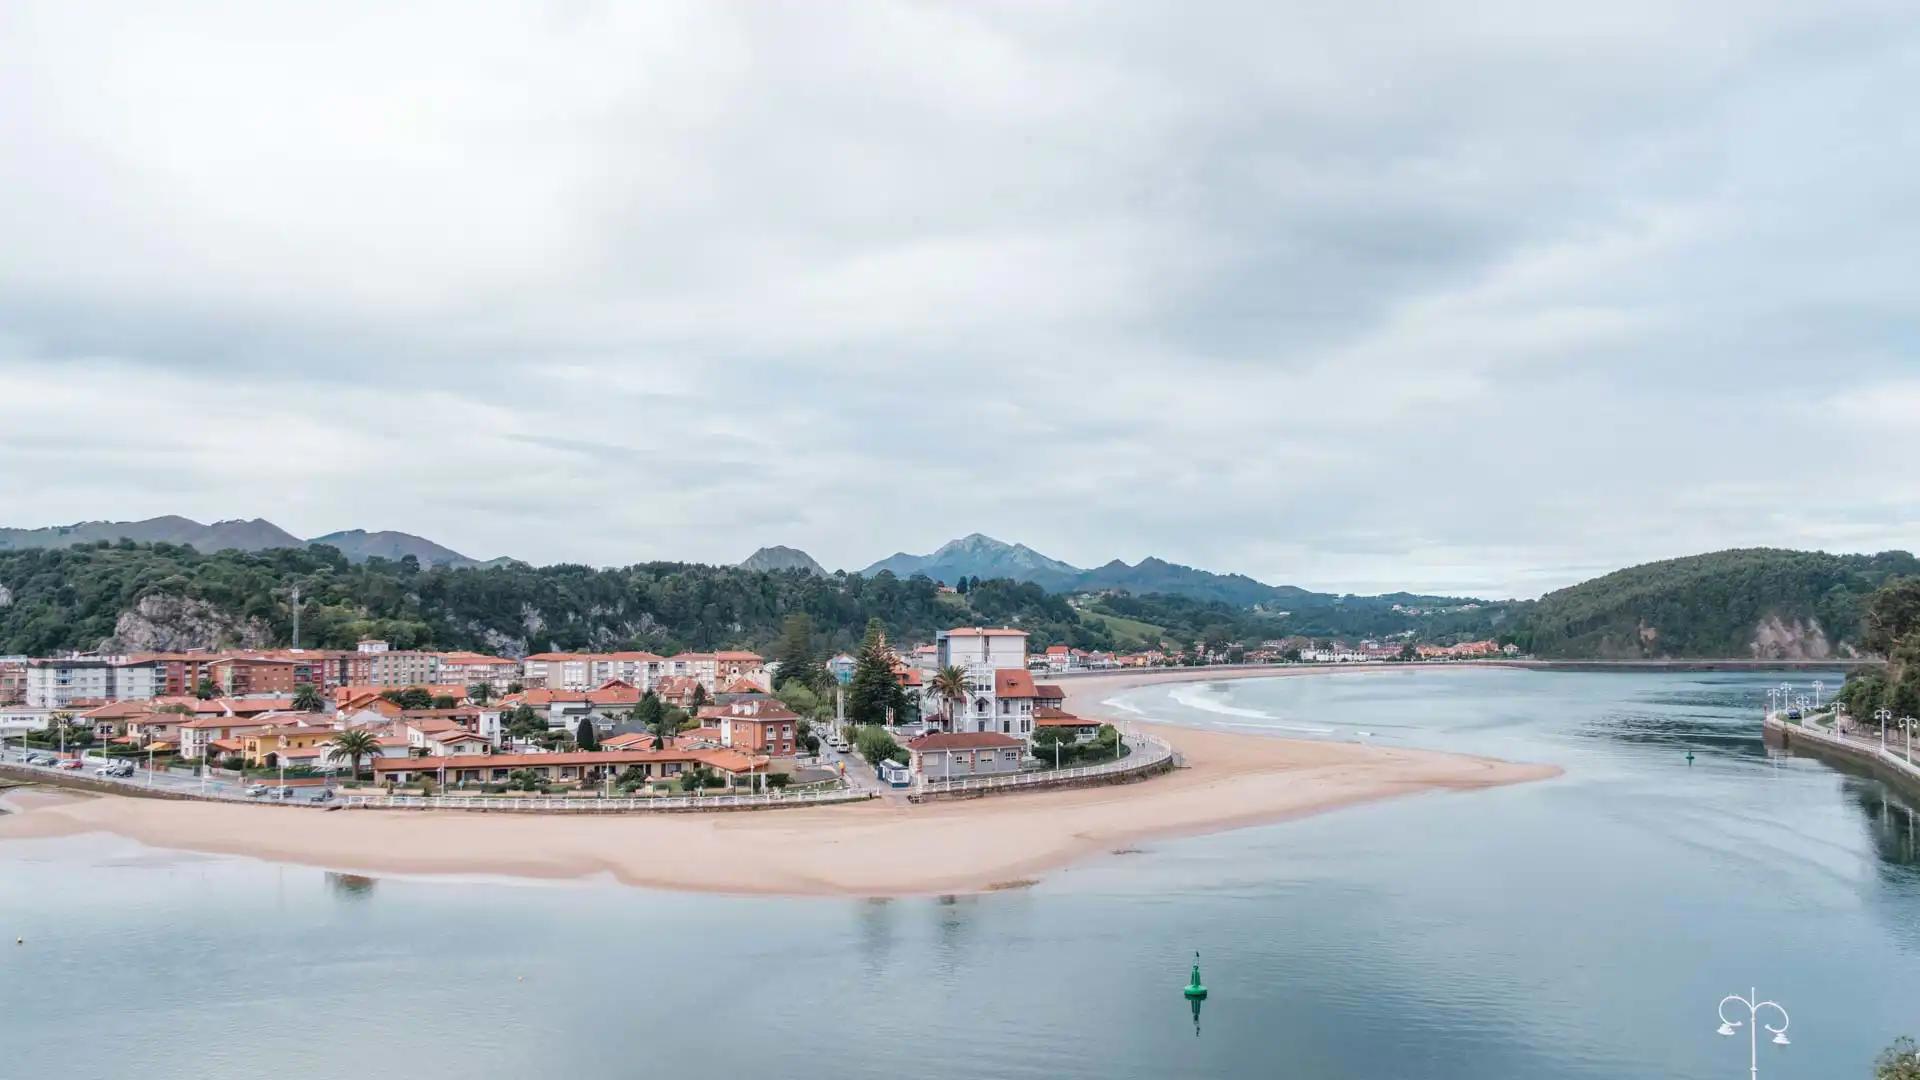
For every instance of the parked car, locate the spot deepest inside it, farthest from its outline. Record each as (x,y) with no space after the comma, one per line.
(41,759)
(283,793)
(69,763)
(324,795)
(256,791)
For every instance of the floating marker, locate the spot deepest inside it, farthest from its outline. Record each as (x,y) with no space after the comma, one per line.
(1689,757)
(1196,990)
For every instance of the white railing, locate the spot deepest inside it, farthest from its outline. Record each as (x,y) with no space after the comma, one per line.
(1872,746)
(616,805)
(1146,752)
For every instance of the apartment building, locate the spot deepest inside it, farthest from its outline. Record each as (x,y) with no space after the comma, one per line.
(13,680)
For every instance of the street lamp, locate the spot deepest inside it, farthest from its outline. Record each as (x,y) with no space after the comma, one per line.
(1753,1025)
(1907,723)
(1883,714)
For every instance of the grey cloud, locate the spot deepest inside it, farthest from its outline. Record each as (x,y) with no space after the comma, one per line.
(1362,296)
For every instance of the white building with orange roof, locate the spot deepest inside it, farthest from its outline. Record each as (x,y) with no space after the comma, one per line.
(1001,691)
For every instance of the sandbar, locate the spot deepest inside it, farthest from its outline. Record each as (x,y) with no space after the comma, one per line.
(864,849)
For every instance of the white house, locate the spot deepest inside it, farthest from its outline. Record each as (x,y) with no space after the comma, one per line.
(1000,690)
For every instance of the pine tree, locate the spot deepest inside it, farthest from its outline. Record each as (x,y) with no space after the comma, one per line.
(796,656)
(874,691)
(651,714)
(584,735)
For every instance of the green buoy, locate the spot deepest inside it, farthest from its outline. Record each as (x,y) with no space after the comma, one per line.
(1195,991)
(1689,757)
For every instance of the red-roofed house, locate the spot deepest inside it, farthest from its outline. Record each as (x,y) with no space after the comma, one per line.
(760,726)
(959,755)
(1079,727)
(580,766)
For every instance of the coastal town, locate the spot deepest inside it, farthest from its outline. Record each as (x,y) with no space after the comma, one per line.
(293,723)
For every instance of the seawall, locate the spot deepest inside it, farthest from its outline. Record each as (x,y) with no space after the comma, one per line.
(1886,763)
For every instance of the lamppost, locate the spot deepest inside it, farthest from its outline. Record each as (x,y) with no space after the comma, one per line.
(1773,701)
(1752,1023)
(1907,722)
(1818,689)
(1883,714)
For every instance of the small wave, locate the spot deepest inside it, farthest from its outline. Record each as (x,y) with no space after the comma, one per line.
(1198,697)
(1124,705)
(1276,726)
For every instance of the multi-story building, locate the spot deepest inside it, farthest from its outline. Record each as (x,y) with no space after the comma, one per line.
(972,648)
(393,668)
(13,680)
(558,671)
(172,674)
(730,667)
(249,676)
(760,726)
(1000,690)
(58,683)
(468,668)
(584,671)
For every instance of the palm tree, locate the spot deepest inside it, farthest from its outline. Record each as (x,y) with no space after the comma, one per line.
(354,744)
(950,683)
(480,693)
(306,698)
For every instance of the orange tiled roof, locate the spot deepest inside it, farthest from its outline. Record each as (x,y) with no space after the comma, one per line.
(727,760)
(1013,682)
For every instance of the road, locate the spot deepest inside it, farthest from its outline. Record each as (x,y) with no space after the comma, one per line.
(162,780)
(860,775)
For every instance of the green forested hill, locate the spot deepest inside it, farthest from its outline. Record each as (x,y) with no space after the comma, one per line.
(165,596)
(137,597)
(1761,602)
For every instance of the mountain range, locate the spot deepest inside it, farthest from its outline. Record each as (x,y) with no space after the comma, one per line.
(258,534)
(979,555)
(973,556)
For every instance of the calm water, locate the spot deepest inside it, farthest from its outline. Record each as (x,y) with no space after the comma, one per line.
(1579,928)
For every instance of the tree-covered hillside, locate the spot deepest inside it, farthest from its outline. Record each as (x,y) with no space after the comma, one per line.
(1891,628)
(136,596)
(1754,602)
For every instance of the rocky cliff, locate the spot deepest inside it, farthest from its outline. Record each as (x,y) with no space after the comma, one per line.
(171,623)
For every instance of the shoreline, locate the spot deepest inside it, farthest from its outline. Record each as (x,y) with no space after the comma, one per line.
(854,850)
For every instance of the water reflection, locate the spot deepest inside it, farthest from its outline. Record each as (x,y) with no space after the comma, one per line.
(1890,823)
(350,886)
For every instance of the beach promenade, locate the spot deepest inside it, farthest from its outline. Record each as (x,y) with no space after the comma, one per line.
(1888,753)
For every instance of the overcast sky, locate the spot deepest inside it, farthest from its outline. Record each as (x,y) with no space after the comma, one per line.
(1474,298)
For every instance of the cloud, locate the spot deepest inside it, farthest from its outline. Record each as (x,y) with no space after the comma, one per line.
(1360,297)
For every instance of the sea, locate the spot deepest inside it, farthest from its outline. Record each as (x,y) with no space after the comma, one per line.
(1583,927)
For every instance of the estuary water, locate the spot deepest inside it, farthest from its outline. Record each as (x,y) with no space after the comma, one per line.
(1583,927)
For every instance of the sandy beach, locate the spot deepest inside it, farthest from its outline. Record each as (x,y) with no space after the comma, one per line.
(869,849)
